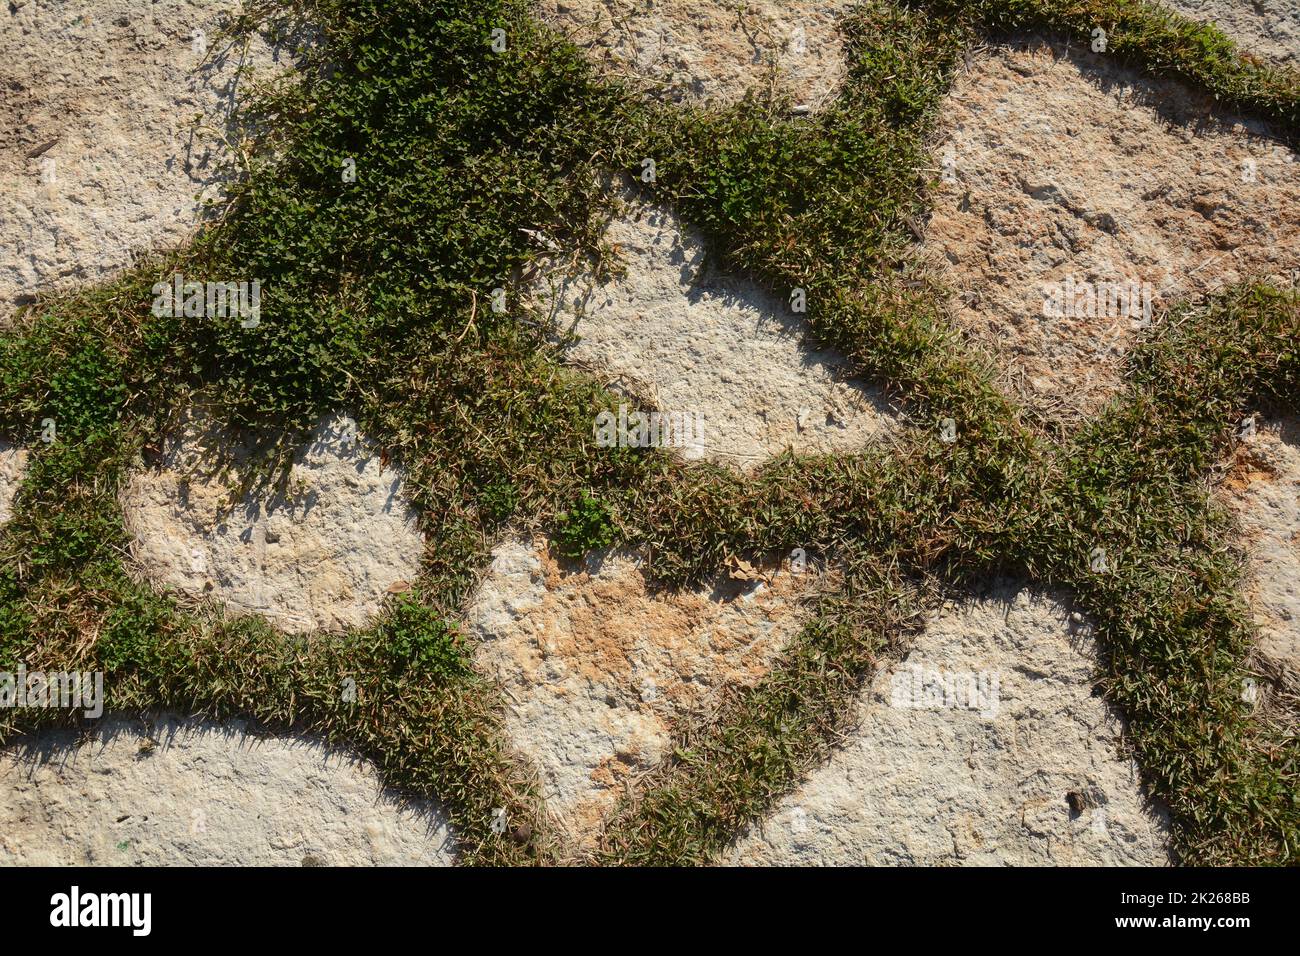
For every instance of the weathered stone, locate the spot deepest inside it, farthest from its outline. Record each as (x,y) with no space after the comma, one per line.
(1268,29)
(324,556)
(597,668)
(13,465)
(193,793)
(102,156)
(1262,486)
(1057,168)
(694,341)
(709,51)
(985,746)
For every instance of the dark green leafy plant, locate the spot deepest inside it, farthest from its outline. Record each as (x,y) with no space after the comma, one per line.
(586,526)
(417,639)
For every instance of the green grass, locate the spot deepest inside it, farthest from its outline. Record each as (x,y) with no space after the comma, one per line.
(377,299)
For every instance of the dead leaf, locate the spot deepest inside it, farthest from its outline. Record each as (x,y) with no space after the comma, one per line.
(43,148)
(741,570)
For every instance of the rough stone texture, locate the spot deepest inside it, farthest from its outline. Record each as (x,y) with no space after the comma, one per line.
(1263,488)
(13,464)
(949,786)
(115,87)
(1068,165)
(322,558)
(191,793)
(692,340)
(1268,29)
(597,669)
(709,51)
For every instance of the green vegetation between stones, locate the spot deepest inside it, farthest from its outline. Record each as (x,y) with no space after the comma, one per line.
(380,297)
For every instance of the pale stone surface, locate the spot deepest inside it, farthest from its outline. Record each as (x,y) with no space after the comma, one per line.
(1063,166)
(193,793)
(692,340)
(13,465)
(597,669)
(322,557)
(975,780)
(115,86)
(1268,29)
(1263,488)
(710,51)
